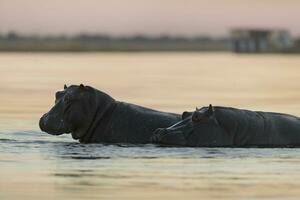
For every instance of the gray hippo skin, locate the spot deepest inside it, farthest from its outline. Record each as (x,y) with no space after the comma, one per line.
(231,127)
(92,116)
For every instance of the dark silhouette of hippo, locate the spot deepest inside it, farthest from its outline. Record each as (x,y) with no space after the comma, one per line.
(92,116)
(231,127)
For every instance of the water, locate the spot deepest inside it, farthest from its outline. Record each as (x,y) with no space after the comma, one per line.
(34,165)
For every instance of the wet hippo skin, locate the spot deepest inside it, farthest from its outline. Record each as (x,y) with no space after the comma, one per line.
(92,116)
(230,127)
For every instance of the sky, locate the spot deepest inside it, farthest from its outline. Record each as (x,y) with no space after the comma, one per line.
(149,17)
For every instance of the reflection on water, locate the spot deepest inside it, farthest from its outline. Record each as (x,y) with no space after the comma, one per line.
(34,165)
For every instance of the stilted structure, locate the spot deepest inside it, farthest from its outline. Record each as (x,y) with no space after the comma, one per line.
(259,41)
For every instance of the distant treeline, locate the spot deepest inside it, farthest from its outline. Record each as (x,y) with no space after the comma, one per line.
(98,42)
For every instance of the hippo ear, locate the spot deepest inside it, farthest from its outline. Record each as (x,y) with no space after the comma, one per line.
(65,86)
(81,86)
(210,111)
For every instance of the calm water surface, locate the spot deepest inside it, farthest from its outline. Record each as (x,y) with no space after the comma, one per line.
(34,165)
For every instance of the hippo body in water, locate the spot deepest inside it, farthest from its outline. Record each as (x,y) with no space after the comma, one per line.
(231,127)
(92,116)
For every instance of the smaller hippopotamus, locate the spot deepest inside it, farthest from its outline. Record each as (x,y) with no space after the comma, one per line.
(230,127)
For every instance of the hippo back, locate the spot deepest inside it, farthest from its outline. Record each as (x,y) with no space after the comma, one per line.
(134,124)
(256,128)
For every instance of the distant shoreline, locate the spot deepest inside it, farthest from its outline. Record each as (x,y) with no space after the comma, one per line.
(74,45)
(100,43)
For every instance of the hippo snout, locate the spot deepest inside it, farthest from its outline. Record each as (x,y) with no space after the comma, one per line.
(42,123)
(158,135)
(46,124)
(160,131)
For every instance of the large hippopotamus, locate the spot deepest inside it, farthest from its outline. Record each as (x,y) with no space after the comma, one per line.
(230,127)
(92,116)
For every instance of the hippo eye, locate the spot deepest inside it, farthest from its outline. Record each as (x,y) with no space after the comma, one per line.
(197,117)
(67,99)
(58,96)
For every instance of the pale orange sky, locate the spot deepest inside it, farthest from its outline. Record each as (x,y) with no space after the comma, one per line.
(153,17)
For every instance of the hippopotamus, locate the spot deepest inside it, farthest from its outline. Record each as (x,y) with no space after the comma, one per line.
(92,116)
(231,127)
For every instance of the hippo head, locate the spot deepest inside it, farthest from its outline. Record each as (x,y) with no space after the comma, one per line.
(199,128)
(73,111)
